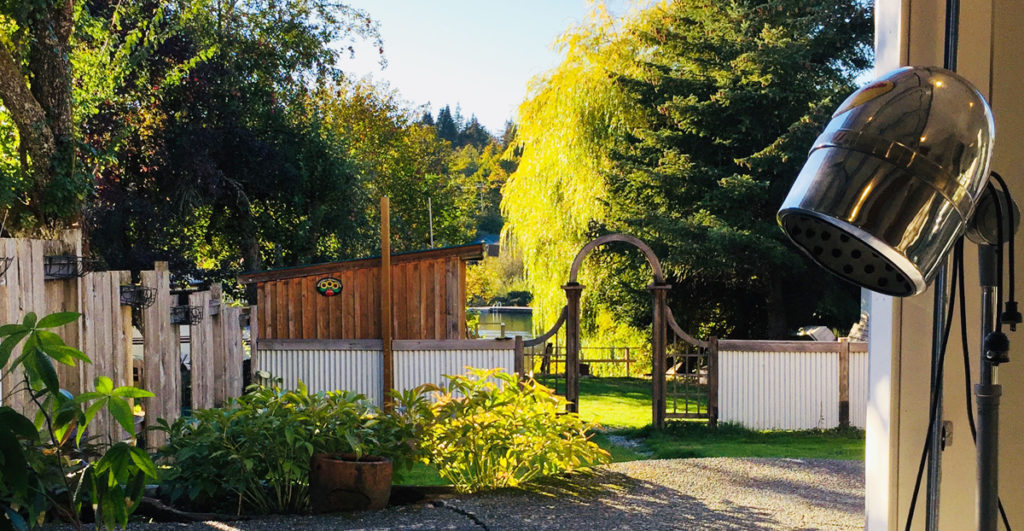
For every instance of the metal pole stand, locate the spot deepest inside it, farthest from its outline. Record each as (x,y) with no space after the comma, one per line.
(994,351)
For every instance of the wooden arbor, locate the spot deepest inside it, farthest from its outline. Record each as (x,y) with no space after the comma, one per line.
(658,288)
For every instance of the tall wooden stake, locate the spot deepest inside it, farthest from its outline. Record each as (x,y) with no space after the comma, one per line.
(385,301)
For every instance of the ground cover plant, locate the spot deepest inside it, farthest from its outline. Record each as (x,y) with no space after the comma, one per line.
(48,470)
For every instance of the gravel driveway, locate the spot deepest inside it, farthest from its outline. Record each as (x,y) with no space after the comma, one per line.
(720,493)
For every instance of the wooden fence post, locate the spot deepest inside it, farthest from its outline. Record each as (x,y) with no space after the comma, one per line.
(201,353)
(24,293)
(232,333)
(713,381)
(388,373)
(218,346)
(254,340)
(162,355)
(844,384)
(65,296)
(573,292)
(658,329)
(519,363)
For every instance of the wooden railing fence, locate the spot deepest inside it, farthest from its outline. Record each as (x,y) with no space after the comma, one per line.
(105,332)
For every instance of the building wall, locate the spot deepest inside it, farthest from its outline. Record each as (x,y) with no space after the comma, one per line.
(428,302)
(911,32)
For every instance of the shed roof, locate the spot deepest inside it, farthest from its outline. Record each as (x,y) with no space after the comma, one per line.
(471,251)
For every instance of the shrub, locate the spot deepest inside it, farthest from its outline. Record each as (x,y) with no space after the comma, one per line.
(253,454)
(46,471)
(490,431)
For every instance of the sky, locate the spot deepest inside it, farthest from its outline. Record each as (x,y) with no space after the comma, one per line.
(477,54)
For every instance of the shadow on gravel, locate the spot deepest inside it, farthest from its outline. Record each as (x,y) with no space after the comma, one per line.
(811,491)
(602,499)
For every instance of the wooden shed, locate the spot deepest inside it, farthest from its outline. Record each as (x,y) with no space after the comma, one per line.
(428,297)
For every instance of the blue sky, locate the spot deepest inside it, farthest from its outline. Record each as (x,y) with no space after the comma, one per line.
(478,54)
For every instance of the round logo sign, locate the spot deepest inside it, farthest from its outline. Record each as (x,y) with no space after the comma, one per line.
(328,287)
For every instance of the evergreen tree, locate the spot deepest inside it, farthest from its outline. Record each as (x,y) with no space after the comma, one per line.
(473,134)
(446,127)
(427,118)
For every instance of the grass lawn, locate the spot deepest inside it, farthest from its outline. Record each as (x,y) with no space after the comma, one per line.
(623,407)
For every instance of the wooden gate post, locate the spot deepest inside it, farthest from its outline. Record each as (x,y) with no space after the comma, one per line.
(658,294)
(712,381)
(573,291)
(844,384)
(519,362)
(388,370)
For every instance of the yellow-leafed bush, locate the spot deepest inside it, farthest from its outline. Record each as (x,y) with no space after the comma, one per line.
(490,431)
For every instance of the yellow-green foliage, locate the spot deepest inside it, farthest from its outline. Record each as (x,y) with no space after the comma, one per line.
(489,432)
(568,114)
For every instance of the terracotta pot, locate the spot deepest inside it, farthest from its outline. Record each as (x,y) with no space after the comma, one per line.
(340,482)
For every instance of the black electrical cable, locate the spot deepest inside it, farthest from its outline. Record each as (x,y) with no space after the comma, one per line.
(965,343)
(933,407)
(999,256)
(1008,222)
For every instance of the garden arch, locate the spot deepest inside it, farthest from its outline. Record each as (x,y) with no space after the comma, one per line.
(573,293)
(663,321)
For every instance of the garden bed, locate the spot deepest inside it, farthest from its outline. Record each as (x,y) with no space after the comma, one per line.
(717,493)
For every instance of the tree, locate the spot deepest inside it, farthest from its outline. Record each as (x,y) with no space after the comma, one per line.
(220,183)
(446,126)
(405,161)
(714,105)
(58,60)
(473,134)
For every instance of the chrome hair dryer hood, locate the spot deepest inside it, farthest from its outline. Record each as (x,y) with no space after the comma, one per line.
(893,180)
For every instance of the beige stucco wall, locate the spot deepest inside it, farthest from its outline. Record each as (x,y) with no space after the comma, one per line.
(992,57)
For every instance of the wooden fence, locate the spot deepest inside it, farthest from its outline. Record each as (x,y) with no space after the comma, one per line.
(104,333)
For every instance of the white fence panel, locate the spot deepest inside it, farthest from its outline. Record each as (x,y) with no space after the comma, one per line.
(417,367)
(326,370)
(858,388)
(358,365)
(779,390)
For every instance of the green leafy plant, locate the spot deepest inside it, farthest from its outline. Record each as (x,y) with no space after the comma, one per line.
(255,451)
(46,474)
(490,431)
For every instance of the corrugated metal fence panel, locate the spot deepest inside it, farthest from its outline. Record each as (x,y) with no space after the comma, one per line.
(416,367)
(779,390)
(327,370)
(858,389)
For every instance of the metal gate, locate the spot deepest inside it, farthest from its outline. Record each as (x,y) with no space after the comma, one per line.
(691,377)
(686,388)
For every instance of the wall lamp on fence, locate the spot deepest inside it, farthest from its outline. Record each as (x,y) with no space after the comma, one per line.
(888,189)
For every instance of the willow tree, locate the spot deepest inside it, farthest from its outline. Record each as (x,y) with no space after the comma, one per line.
(557,192)
(699,113)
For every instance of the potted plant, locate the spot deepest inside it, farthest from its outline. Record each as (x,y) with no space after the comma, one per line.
(349,475)
(349,482)
(355,472)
